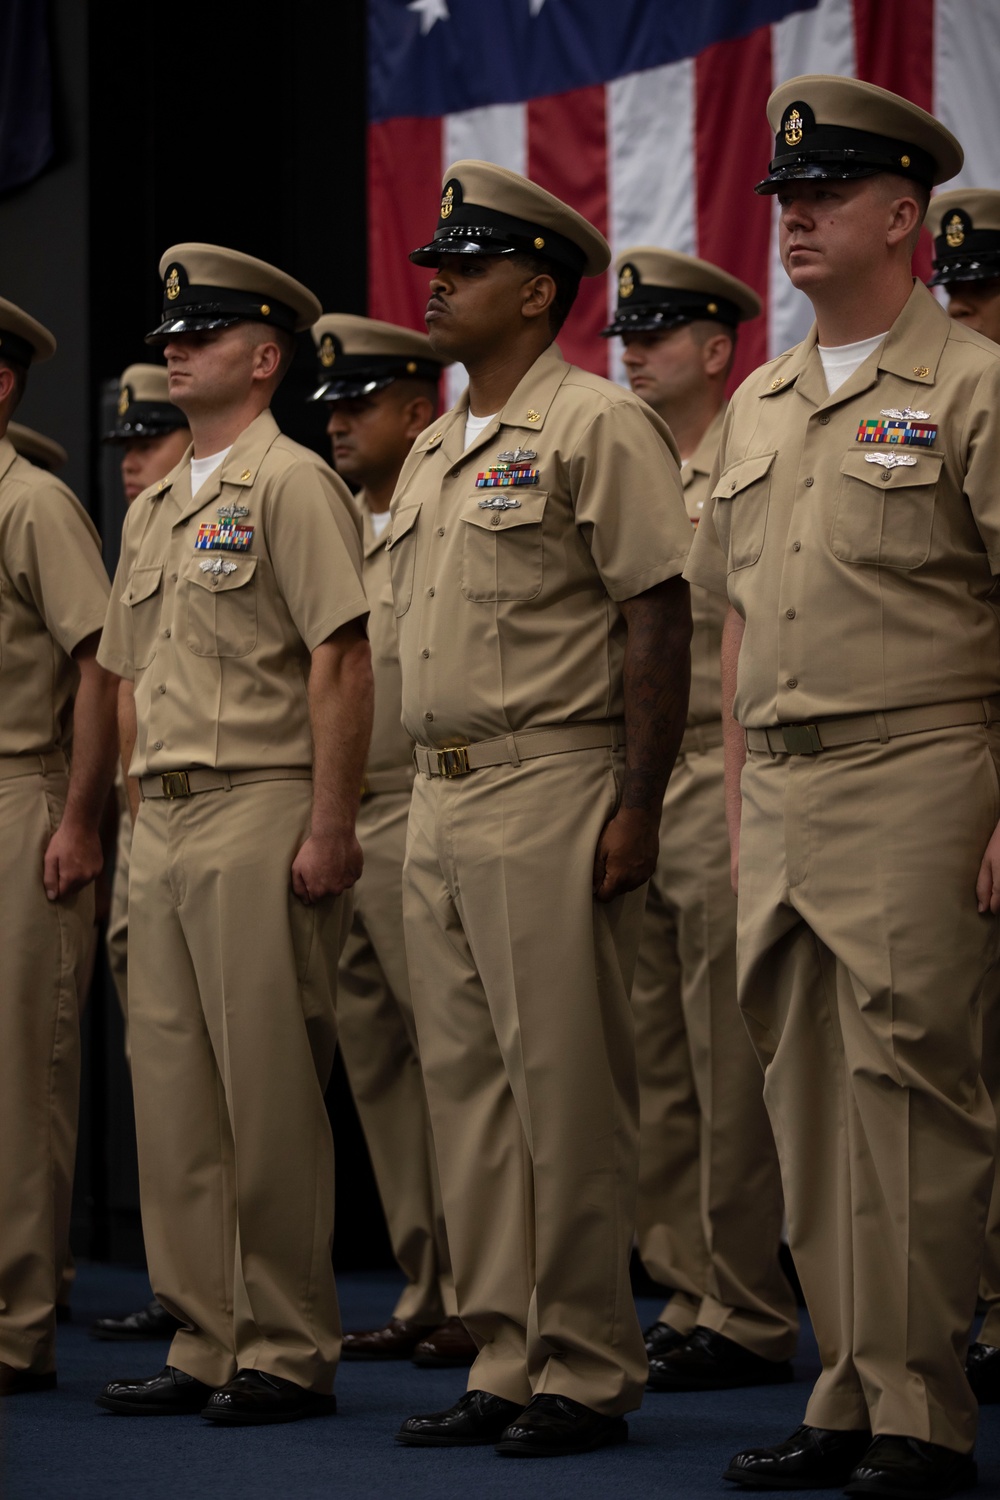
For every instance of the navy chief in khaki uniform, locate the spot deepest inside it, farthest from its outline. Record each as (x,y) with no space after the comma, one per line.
(855,525)
(237,627)
(538,534)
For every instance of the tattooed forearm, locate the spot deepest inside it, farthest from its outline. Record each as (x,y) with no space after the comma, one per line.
(657,681)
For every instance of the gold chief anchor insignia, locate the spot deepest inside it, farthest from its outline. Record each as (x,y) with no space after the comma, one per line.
(793,128)
(955,231)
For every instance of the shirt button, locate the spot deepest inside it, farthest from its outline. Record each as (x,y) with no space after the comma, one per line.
(809,482)
(430,592)
(158,745)
(162,688)
(796,546)
(792,682)
(173,578)
(425,653)
(167,632)
(494,520)
(428,716)
(790,614)
(440,531)
(824,420)
(885,476)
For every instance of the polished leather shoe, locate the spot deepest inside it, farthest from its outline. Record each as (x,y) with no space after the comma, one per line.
(397,1340)
(983,1371)
(23,1382)
(253,1398)
(449,1347)
(477,1417)
(909,1469)
(150,1322)
(553,1426)
(660,1339)
(813,1458)
(171,1393)
(708,1361)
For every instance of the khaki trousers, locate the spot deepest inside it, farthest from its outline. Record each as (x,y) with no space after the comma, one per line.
(989,1281)
(117,935)
(378,1040)
(710,1202)
(44,947)
(861,959)
(232,988)
(520,984)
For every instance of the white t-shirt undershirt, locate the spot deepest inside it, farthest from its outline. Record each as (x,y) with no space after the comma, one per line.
(203,468)
(380,520)
(474,426)
(841,360)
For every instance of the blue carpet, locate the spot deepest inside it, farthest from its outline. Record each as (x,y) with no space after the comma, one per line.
(58,1446)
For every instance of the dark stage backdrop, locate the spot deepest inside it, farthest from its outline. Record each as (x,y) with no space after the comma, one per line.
(243,126)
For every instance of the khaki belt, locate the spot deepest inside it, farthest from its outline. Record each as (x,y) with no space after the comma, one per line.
(827,734)
(702,737)
(399,779)
(173,784)
(32,765)
(511,749)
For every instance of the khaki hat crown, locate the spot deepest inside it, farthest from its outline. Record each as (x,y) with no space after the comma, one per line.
(965,223)
(828,128)
(358,356)
(209,286)
(661,289)
(23,339)
(144,405)
(489,210)
(44,452)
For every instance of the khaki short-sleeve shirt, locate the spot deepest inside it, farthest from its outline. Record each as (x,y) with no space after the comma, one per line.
(220,598)
(708,611)
(862,562)
(507,596)
(391,747)
(53,595)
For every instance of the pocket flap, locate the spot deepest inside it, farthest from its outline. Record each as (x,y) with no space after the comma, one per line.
(527,509)
(142,585)
(402,522)
(740,475)
(865,465)
(197,571)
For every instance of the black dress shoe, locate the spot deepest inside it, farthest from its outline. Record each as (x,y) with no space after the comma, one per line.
(150,1322)
(24,1382)
(983,1370)
(169,1394)
(708,1361)
(396,1340)
(909,1469)
(253,1398)
(813,1458)
(477,1417)
(660,1338)
(553,1426)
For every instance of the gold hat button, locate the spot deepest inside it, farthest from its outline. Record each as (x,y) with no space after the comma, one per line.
(265,309)
(411,368)
(904,161)
(713,307)
(534,416)
(921,371)
(539,242)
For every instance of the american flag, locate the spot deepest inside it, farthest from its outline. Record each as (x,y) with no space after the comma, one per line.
(648,117)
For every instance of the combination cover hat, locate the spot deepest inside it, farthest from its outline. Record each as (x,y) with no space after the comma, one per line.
(208,286)
(965,223)
(144,405)
(23,340)
(488,210)
(358,356)
(828,128)
(661,289)
(44,452)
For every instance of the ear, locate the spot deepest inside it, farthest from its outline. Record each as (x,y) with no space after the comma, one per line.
(417,414)
(716,353)
(266,361)
(7,384)
(904,218)
(537,295)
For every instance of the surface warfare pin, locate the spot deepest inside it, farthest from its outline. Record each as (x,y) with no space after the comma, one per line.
(510,468)
(887,460)
(218,567)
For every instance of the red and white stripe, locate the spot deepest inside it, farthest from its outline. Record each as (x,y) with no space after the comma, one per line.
(669,156)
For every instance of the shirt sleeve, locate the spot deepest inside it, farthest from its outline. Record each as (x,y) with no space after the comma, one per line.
(628,500)
(115,652)
(708,564)
(54,556)
(982,453)
(315,548)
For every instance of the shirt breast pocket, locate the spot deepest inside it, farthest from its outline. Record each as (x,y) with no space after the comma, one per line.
(741,497)
(885,515)
(221,608)
(402,550)
(143,600)
(502,549)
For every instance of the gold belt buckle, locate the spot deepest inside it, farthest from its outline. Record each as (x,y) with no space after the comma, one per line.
(801,739)
(175,784)
(454,761)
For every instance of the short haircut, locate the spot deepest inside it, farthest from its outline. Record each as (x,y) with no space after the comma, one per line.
(906,187)
(567,284)
(410,386)
(703,329)
(264,333)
